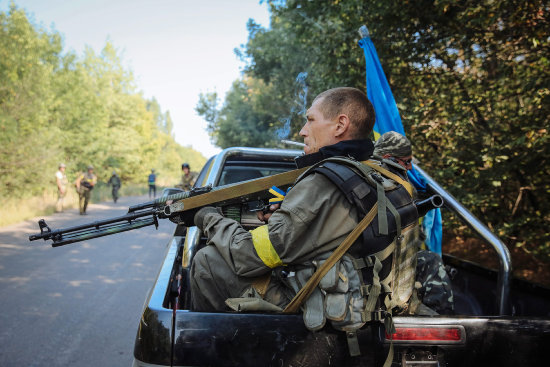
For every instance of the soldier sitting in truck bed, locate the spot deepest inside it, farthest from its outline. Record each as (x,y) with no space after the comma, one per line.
(271,263)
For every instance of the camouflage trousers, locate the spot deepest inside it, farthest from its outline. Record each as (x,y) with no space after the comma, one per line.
(213,282)
(60,200)
(83,199)
(436,291)
(114,192)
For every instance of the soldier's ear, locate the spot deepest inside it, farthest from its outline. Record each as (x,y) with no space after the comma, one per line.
(343,126)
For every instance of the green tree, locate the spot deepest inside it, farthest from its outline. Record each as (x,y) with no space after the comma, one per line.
(28,60)
(471,80)
(249,116)
(59,107)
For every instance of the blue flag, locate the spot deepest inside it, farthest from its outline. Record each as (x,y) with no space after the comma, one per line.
(388,119)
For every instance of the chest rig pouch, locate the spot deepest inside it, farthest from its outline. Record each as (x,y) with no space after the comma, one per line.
(376,275)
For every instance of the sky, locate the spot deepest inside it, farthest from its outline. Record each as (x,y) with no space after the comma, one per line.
(176,49)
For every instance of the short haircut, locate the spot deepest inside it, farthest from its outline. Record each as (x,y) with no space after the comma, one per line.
(352,102)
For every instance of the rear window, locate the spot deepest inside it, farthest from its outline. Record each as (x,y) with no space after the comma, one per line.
(235,172)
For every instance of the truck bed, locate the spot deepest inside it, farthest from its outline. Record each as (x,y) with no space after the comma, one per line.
(498,321)
(256,339)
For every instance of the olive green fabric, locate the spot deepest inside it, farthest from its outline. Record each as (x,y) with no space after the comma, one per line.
(85,179)
(314,220)
(298,233)
(187,181)
(213,282)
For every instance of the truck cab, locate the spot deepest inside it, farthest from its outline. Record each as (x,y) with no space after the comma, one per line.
(498,320)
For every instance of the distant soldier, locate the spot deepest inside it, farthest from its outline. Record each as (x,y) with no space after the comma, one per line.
(152,184)
(85,183)
(435,291)
(62,182)
(114,181)
(188,178)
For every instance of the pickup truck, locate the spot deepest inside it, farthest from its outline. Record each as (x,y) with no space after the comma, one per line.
(498,320)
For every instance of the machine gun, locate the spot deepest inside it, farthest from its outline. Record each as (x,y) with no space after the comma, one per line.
(181,207)
(138,216)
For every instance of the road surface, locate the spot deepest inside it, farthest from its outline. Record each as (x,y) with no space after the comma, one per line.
(79,304)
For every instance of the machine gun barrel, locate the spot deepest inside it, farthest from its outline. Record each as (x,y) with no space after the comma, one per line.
(424,206)
(95,229)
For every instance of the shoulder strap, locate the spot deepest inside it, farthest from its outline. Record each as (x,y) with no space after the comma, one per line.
(375,165)
(346,174)
(391,175)
(350,183)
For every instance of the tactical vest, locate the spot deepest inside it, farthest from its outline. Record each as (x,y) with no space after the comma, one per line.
(115,181)
(187,181)
(376,276)
(87,181)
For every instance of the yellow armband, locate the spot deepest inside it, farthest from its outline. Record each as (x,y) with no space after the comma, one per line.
(264,247)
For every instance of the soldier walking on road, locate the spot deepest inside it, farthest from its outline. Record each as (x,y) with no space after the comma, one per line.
(152,184)
(62,182)
(85,183)
(114,181)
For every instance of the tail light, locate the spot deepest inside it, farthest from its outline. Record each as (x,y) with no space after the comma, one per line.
(432,334)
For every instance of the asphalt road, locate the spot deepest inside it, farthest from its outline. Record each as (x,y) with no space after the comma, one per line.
(76,305)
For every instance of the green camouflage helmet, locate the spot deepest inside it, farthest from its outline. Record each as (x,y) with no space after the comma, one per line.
(394,144)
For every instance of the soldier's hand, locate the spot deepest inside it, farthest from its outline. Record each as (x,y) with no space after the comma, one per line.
(264,217)
(202,212)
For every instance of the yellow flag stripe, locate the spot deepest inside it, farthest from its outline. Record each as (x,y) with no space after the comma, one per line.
(275,193)
(264,247)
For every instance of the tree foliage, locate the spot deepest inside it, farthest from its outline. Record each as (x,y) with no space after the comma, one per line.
(471,80)
(58,107)
(249,116)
